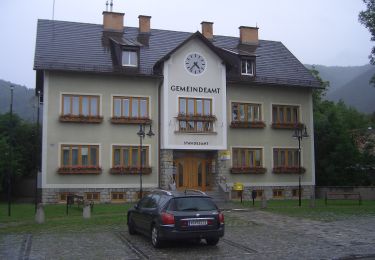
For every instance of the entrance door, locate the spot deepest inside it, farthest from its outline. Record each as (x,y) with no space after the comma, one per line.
(192,173)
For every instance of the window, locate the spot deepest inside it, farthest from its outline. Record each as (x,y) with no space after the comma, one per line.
(195,115)
(247,67)
(79,159)
(286,160)
(80,105)
(198,203)
(127,159)
(130,110)
(129,58)
(259,194)
(95,196)
(63,196)
(278,193)
(285,116)
(247,160)
(195,106)
(285,157)
(295,192)
(80,108)
(118,197)
(246,115)
(80,155)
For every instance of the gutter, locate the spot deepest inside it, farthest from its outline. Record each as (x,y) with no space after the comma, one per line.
(159,125)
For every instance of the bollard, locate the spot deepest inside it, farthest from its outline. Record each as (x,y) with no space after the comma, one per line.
(39,216)
(86,210)
(264,202)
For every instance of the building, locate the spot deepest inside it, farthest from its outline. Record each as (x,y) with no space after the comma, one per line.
(223,110)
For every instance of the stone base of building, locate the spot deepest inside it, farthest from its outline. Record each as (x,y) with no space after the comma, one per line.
(98,195)
(109,195)
(275,192)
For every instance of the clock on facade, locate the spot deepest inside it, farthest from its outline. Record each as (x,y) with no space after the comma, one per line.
(195,63)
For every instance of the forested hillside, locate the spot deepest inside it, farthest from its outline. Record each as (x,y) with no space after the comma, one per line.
(24,101)
(351,85)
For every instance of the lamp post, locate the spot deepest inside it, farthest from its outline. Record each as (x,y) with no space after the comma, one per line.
(299,133)
(141,133)
(10,172)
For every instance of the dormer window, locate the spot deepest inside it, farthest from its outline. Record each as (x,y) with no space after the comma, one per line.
(247,67)
(129,58)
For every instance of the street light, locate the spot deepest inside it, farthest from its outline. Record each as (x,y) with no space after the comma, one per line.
(299,133)
(10,172)
(141,133)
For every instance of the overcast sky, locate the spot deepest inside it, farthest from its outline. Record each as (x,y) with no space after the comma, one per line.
(323,32)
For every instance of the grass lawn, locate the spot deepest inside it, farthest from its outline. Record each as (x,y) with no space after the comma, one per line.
(22,219)
(335,209)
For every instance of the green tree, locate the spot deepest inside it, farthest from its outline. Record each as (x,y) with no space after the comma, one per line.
(367,18)
(21,137)
(338,160)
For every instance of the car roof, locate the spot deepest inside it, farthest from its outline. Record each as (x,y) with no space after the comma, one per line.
(185,193)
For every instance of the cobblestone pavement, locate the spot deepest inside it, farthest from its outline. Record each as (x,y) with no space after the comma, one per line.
(251,234)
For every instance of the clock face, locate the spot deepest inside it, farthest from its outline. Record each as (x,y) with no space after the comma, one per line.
(195,63)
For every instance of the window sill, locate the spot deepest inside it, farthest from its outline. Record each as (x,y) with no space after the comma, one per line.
(195,133)
(130,170)
(247,124)
(131,120)
(293,170)
(287,125)
(78,170)
(247,74)
(184,117)
(248,170)
(81,119)
(130,65)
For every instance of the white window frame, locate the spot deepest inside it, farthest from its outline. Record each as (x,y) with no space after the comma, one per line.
(128,58)
(251,73)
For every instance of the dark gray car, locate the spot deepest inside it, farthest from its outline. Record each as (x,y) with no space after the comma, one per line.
(174,215)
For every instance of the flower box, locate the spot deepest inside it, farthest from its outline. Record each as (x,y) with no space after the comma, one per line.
(77,170)
(294,170)
(248,170)
(81,119)
(247,124)
(287,125)
(130,170)
(131,120)
(186,117)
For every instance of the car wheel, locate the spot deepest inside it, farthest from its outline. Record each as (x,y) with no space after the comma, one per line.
(131,227)
(155,238)
(212,241)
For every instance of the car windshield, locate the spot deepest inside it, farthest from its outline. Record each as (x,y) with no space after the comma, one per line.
(192,204)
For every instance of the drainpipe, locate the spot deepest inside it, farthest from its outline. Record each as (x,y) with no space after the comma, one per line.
(159,124)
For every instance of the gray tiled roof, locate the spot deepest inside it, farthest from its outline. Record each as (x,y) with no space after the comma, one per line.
(79,47)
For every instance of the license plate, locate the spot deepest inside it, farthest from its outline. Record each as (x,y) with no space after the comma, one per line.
(197,222)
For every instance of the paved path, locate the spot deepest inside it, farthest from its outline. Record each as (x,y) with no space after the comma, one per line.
(249,234)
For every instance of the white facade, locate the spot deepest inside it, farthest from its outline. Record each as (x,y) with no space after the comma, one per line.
(178,82)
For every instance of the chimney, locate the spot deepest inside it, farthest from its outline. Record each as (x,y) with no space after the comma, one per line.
(249,35)
(113,21)
(207,30)
(144,23)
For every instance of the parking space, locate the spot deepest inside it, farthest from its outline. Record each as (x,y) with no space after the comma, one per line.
(249,235)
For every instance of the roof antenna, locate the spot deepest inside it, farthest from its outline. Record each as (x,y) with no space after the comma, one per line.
(111,5)
(53,10)
(106,6)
